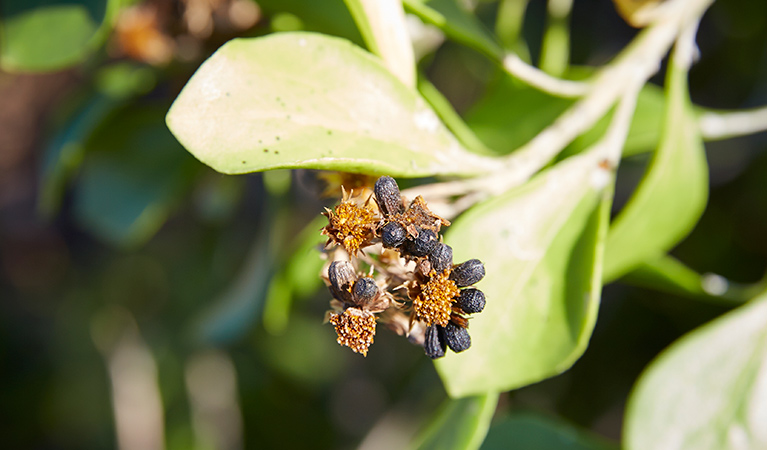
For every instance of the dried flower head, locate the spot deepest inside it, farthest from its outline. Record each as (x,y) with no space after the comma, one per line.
(418,215)
(406,251)
(355,329)
(433,304)
(352,224)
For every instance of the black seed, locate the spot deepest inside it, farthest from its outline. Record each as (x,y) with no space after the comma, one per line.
(468,273)
(457,338)
(441,257)
(422,244)
(393,234)
(341,276)
(388,196)
(433,344)
(365,289)
(471,301)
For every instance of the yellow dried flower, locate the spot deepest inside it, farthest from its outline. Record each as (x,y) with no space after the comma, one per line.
(433,303)
(351,225)
(355,329)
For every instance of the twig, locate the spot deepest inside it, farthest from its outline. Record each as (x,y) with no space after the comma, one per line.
(637,62)
(537,78)
(723,125)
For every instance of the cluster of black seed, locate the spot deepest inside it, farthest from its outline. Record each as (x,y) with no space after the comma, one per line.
(416,237)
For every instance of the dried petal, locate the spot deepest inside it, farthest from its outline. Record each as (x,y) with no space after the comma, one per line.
(422,244)
(342,277)
(441,257)
(365,290)
(419,215)
(393,235)
(388,196)
(457,338)
(468,273)
(471,301)
(355,329)
(433,344)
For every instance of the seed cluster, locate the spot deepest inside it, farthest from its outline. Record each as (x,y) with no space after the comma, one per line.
(412,285)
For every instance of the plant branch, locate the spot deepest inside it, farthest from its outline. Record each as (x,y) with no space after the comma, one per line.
(637,63)
(539,79)
(723,125)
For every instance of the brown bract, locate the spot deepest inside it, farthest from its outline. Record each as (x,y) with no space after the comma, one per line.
(351,225)
(418,214)
(355,329)
(432,305)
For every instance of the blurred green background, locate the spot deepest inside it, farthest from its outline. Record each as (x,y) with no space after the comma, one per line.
(147,300)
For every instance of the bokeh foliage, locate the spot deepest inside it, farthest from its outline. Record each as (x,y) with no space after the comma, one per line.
(121,243)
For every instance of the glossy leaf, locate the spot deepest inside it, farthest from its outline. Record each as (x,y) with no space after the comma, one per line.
(535,432)
(460,424)
(673,193)
(303,100)
(541,246)
(708,390)
(44,35)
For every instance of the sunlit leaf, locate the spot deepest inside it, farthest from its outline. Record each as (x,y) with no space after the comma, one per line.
(541,245)
(673,193)
(42,35)
(535,432)
(708,390)
(460,424)
(303,100)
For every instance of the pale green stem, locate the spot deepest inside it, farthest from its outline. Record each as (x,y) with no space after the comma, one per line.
(508,25)
(723,125)
(555,50)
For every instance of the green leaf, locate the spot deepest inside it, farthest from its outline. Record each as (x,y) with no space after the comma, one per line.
(45,35)
(645,129)
(460,424)
(303,100)
(66,150)
(298,277)
(451,118)
(536,432)
(382,24)
(708,390)
(330,17)
(673,193)
(511,113)
(132,177)
(670,275)
(541,245)
(458,24)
